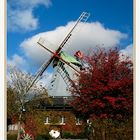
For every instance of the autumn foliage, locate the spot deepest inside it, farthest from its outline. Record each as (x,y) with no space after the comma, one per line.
(106,86)
(30,126)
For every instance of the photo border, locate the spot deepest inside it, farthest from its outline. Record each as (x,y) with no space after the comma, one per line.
(136,55)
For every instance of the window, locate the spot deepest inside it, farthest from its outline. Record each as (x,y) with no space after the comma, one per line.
(62,122)
(55,120)
(78,121)
(13,127)
(65,100)
(47,120)
(89,122)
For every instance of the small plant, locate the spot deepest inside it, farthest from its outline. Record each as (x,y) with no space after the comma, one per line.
(26,136)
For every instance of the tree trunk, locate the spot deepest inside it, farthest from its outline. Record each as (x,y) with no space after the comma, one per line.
(103,134)
(19,126)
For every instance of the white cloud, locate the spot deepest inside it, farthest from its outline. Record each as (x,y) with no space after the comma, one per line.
(18,61)
(128,51)
(89,35)
(23,20)
(20,14)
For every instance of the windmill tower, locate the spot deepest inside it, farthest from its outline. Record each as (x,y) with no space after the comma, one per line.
(63,75)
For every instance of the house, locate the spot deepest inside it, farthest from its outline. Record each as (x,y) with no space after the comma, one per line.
(54,113)
(58,114)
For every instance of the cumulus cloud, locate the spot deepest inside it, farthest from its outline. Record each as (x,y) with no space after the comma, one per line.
(17,61)
(20,14)
(128,51)
(87,36)
(22,20)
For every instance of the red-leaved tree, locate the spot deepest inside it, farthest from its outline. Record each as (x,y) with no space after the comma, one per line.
(105,87)
(30,126)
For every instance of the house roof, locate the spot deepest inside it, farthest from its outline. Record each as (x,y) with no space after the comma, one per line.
(56,102)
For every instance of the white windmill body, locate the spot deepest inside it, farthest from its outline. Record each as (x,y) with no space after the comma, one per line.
(61,81)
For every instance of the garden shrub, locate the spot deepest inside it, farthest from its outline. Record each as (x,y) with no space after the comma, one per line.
(11,136)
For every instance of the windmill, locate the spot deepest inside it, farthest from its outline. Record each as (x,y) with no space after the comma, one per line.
(65,63)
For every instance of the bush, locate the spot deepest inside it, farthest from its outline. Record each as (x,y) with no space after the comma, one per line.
(11,137)
(81,136)
(38,137)
(42,137)
(67,135)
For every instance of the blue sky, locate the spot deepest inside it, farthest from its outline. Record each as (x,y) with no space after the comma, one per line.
(110,23)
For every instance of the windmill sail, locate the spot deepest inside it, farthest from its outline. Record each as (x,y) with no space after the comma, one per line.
(83,18)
